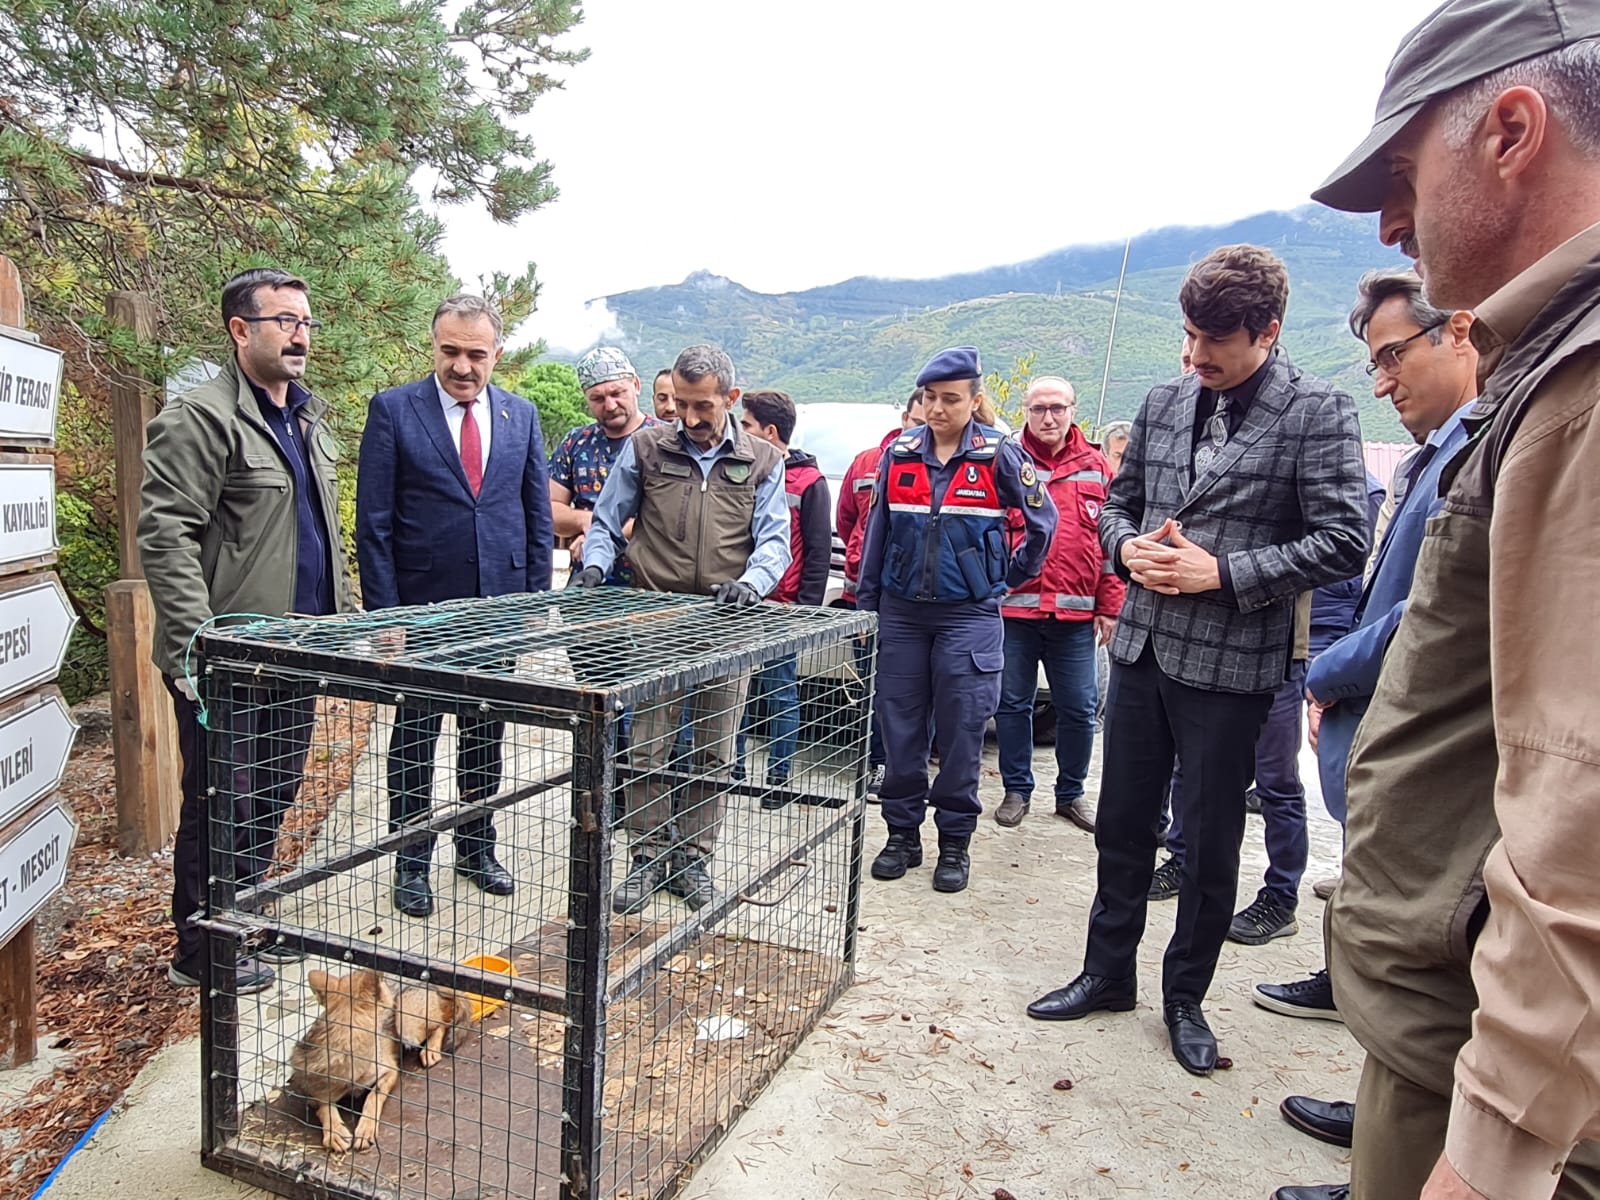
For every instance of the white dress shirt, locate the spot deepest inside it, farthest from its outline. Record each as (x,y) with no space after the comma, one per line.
(453,414)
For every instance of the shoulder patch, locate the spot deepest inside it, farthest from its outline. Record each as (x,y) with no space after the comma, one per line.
(1029,478)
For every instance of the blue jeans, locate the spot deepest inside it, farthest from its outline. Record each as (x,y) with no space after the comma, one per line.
(778,688)
(1067,651)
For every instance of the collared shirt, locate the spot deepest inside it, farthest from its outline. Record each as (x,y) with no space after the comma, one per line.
(1239,400)
(455,412)
(769,525)
(582,462)
(313,578)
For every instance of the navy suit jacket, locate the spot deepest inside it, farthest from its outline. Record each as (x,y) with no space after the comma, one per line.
(1346,673)
(421,535)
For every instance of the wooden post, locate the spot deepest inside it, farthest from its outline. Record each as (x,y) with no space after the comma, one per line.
(143,730)
(18,999)
(18,974)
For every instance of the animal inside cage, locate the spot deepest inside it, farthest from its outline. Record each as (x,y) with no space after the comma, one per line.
(654,810)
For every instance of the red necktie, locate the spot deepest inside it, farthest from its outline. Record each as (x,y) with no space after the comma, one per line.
(471,447)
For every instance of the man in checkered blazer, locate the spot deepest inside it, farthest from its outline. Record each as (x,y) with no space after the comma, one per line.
(1242,487)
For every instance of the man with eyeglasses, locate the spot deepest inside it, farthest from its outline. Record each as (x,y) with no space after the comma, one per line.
(1423,361)
(239,513)
(1059,616)
(1243,487)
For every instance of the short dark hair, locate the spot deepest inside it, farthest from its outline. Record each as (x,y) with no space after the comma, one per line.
(914,400)
(239,293)
(772,408)
(1377,287)
(1234,288)
(664,371)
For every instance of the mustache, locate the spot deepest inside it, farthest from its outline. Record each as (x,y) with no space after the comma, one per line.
(1409,247)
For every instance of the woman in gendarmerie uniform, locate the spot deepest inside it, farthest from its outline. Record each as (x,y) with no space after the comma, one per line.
(934,565)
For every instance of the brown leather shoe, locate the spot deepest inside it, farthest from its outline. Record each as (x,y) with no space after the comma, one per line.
(1079,813)
(1011,811)
(1322,889)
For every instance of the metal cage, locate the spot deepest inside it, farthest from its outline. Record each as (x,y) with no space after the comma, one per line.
(598,1041)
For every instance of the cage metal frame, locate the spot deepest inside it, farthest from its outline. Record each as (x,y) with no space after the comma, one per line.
(238,655)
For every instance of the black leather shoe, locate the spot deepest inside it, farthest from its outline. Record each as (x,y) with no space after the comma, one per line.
(1084,996)
(413,895)
(1331,1121)
(1193,1043)
(900,853)
(951,871)
(486,871)
(688,879)
(1319,1191)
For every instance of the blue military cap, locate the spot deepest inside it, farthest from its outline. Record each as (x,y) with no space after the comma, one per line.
(958,362)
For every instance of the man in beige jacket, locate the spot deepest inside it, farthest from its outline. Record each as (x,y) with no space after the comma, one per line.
(1474,782)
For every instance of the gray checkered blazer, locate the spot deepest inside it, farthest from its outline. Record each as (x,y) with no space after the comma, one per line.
(1285,505)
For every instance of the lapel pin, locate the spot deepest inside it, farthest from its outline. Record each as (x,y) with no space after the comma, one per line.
(504,415)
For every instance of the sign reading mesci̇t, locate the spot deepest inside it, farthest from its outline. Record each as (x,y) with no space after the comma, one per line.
(30,390)
(27,511)
(33,866)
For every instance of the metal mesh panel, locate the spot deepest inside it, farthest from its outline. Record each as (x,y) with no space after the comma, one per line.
(676,790)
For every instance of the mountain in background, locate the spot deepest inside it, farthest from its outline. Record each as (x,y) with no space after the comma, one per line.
(865,338)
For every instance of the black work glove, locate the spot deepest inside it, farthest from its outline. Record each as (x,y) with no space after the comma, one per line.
(736,593)
(588,577)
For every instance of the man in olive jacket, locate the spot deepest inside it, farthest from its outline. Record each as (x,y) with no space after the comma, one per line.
(239,514)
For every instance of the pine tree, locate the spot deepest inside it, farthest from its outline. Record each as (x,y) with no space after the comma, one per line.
(162,145)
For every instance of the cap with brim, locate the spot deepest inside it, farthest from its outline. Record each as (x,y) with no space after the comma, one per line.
(1457,43)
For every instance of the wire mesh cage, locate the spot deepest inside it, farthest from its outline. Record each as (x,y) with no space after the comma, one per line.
(654,806)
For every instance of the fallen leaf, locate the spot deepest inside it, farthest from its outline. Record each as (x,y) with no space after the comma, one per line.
(1065,1085)
(1224,1064)
(1002,1194)
(882,1123)
(1033,899)
(1183,1166)
(966,1170)
(1245,1112)
(1102,1170)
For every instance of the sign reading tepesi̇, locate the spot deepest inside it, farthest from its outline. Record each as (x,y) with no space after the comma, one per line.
(34,743)
(30,389)
(27,510)
(33,866)
(36,622)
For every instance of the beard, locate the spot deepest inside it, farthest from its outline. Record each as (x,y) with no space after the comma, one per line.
(1463,239)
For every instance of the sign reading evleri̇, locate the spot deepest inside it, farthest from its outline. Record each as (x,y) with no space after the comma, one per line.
(27,510)
(30,390)
(33,866)
(34,744)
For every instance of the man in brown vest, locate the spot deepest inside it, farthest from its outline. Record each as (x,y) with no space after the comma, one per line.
(1464,939)
(710,518)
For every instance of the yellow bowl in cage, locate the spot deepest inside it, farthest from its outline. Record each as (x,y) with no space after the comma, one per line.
(483,1006)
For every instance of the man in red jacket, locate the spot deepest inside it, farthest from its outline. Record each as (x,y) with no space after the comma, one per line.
(850,523)
(770,416)
(1061,615)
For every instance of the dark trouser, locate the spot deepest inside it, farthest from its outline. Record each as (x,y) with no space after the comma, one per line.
(943,659)
(265,733)
(1067,651)
(412,743)
(1282,795)
(864,668)
(777,689)
(1151,717)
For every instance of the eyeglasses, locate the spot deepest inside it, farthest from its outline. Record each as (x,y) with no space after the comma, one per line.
(1049,410)
(287,323)
(1388,358)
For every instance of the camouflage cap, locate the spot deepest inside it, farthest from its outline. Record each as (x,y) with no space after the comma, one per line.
(602,365)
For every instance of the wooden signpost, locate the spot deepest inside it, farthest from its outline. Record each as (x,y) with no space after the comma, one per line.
(36,730)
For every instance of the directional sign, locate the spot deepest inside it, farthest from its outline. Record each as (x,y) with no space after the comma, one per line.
(33,866)
(35,623)
(30,389)
(34,744)
(27,510)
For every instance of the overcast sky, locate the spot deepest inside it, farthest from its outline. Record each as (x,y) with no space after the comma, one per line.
(792,144)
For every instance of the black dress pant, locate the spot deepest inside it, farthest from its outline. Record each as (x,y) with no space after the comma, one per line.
(412,743)
(265,733)
(1150,719)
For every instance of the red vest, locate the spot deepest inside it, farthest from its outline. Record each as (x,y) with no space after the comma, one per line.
(796,479)
(1076,582)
